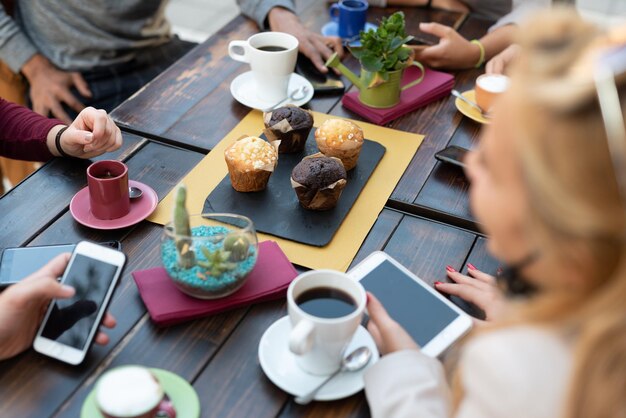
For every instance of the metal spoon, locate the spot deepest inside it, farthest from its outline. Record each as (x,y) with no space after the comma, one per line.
(471,103)
(134,192)
(297,94)
(353,362)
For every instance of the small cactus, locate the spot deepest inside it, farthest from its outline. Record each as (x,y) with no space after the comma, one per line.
(182,230)
(216,262)
(238,246)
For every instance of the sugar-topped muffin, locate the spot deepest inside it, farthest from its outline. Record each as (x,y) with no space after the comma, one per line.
(251,162)
(290,125)
(318,181)
(342,139)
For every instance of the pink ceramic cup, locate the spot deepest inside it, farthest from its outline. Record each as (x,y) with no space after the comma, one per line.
(108,189)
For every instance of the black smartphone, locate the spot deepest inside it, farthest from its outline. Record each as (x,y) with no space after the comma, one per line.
(453,155)
(20,262)
(322,83)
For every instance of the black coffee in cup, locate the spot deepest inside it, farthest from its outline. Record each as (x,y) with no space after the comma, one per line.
(326,302)
(271,48)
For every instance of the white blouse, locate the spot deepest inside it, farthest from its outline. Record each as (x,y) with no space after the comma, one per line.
(519,372)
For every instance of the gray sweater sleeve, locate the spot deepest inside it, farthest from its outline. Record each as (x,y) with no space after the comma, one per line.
(521,9)
(259,9)
(15,47)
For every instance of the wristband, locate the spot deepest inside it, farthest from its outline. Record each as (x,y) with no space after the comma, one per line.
(481,60)
(57,142)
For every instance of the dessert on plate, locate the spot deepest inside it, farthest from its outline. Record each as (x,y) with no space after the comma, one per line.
(342,139)
(290,125)
(251,161)
(318,181)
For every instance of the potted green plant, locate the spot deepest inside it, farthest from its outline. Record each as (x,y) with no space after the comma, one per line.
(384,56)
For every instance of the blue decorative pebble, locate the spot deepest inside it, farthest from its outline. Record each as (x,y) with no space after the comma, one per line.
(191,278)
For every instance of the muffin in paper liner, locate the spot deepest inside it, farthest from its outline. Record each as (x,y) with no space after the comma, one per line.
(342,139)
(251,161)
(290,125)
(322,196)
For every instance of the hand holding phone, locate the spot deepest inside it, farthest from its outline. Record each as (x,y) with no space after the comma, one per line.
(71,323)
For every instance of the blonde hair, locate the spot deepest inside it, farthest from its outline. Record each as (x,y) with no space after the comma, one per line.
(577,215)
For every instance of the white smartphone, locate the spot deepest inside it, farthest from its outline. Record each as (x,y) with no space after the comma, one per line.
(70,325)
(434,322)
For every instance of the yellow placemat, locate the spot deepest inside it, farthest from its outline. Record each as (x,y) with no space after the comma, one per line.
(338,254)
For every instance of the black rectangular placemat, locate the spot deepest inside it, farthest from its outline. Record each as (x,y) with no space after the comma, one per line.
(277,211)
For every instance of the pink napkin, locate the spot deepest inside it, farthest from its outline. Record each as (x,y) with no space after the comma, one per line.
(434,86)
(268,280)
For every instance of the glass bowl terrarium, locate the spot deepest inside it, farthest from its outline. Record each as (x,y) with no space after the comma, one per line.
(210,255)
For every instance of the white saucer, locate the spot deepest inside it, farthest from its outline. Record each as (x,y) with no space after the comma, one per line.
(243,90)
(279,364)
(332,29)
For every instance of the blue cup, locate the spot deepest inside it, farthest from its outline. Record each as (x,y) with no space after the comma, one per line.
(350,16)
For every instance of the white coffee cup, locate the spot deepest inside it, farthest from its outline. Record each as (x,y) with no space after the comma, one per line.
(271,69)
(319,342)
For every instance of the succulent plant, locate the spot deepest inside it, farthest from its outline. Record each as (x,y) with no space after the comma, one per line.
(216,261)
(238,246)
(182,230)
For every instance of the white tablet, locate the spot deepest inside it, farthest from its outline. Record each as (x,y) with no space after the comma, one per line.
(433,321)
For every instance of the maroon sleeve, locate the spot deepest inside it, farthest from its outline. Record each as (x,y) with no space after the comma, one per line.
(23,133)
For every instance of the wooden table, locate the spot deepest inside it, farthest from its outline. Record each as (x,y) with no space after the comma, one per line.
(218,354)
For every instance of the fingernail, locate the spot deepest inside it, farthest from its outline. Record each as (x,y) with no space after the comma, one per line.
(89,137)
(471,266)
(450,269)
(68,289)
(437,283)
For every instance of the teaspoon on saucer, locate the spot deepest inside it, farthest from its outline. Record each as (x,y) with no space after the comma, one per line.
(353,362)
(297,94)
(458,95)
(134,192)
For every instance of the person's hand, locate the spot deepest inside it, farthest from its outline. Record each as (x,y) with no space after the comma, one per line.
(453,50)
(23,305)
(478,288)
(50,87)
(92,133)
(314,46)
(387,333)
(501,62)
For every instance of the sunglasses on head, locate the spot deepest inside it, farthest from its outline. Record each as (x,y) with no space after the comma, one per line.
(608,67)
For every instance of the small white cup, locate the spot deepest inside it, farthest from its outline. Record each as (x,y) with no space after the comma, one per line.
(319,343)
(271,69)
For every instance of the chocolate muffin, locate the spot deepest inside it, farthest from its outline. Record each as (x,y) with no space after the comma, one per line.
(290,125)
(318,181)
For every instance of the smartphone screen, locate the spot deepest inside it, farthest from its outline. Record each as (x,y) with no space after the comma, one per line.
(20,262)
(420,312)
(71,320)
(17,263)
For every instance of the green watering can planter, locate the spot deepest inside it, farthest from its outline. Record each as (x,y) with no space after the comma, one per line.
(380,96)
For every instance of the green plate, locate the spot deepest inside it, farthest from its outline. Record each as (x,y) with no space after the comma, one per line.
(182,395)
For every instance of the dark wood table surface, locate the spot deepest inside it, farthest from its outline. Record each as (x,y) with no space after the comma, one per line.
(218,354)
(190,105)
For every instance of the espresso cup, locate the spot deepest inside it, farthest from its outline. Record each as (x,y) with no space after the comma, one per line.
(272,57)
(350,16)
(488,88)
(325,308)
(108,189)
(131,392)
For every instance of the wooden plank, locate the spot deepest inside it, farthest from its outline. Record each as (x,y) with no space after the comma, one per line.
(35,386)
(40,198)
(446,189)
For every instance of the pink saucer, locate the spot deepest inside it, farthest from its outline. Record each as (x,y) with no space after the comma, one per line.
(140,209)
